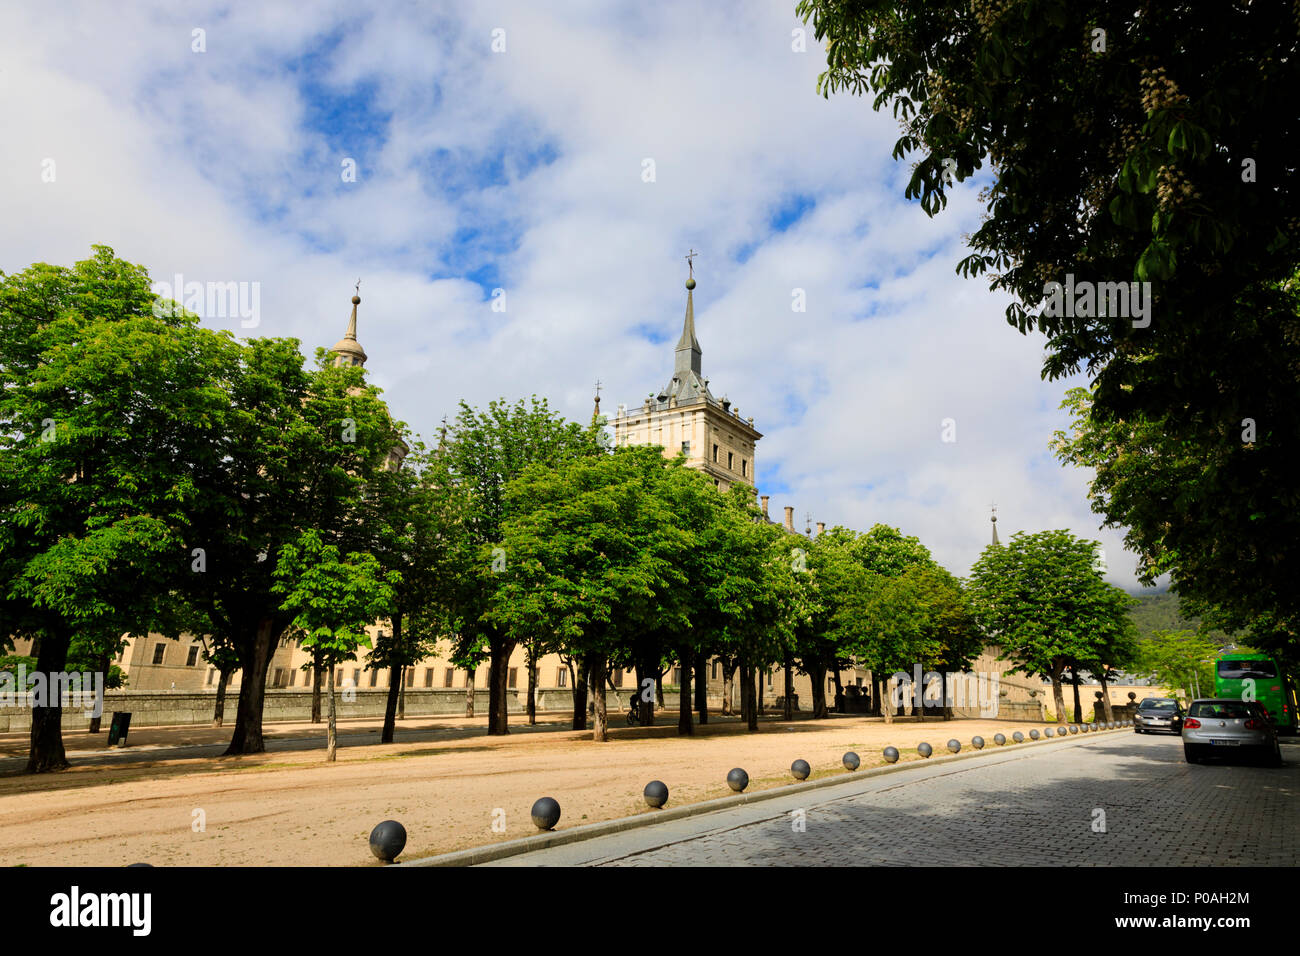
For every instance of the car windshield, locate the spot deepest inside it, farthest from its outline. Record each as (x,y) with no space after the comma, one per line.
(1224,710)
(1240,670)
(1158,705)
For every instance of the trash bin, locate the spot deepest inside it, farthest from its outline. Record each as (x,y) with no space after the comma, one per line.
(118,728)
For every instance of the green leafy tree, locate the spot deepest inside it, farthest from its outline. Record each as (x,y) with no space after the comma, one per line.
(290,449)
(1183,661)
(1182,504)
(594,558)
(485,450)
(332,598)
(1040,597)
(102,407)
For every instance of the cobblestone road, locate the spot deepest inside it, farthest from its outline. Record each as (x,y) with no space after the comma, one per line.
(1044,808)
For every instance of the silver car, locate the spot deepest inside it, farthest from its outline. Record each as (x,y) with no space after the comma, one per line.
(1224,726)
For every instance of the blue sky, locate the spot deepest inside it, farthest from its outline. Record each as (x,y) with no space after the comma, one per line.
(523,168)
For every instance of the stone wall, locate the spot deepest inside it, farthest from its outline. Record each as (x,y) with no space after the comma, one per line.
(167,708)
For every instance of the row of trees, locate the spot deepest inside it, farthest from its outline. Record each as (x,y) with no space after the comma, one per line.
(160,476)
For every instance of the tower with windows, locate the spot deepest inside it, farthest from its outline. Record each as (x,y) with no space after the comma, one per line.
(685,418)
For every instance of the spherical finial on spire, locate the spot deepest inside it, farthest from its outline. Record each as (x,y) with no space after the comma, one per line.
(690,284)
(356,300)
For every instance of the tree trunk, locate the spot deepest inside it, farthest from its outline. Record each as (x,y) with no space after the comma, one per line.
(788,677)
(1058,696)
(755,688)
(759,674)
(219,711)
(317,679)
(947,698)
(331,734)
(659,689)
(839,690)
(401,692)
(498,678)
(579,673)
(748,696)
(817,674)
(1107,714)
(531,660)
(685,727)
(1074,679)
(46,751)
(887,698)
(390,705)
(102,663)
(645,702)
(728,671)
(600,722)
(255,656)
(876,696)
(702,687)
(469,691)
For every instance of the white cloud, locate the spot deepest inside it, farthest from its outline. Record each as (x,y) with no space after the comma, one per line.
(225,165)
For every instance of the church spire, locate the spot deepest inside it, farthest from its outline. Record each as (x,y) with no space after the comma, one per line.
(348,351)
(994,520)
(688,347)
(595,412)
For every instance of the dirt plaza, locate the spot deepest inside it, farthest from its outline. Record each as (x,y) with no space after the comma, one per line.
(169,799)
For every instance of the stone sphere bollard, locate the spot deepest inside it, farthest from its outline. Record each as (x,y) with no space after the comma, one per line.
(1049,732)
(1074,728)
(147,865)
(924,749)
(852,761)
(387,840)
(656,794)
(891,754)
(977,743)
(999,739)
(1033,735)
(546,813)
(800,769)
(954,745)
(1018,737)
(738,780)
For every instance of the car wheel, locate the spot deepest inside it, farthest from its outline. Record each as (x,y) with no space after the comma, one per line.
(1191,753)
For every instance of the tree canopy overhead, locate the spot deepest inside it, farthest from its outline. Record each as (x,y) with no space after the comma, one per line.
(1151,142)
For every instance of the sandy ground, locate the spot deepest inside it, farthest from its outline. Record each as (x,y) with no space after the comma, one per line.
(443,779)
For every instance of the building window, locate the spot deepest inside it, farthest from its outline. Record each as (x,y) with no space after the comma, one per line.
(280,679)
(730,466)
(715,452)
(562,677)
(686,449)
(193,657)
(410,676)
(374,677)
(830,685)
(293,678)
(715,670)
(448,676)
(356,677)
(743,466)
(769,680)
(158,651)
(512,679)
(618,677)
(677,676)
(212,672)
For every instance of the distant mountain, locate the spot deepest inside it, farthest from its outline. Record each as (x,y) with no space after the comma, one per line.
(1160,611)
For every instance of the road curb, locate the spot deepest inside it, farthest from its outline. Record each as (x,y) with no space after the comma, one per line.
(589,831)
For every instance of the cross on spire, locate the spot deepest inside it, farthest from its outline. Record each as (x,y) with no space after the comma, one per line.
(690,262)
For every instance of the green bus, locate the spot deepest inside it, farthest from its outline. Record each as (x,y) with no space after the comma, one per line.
(1271,686)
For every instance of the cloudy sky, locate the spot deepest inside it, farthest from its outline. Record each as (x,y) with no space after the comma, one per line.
(569,154)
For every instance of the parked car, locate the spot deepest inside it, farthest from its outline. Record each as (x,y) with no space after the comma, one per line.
(1162,715)
(1223,726)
